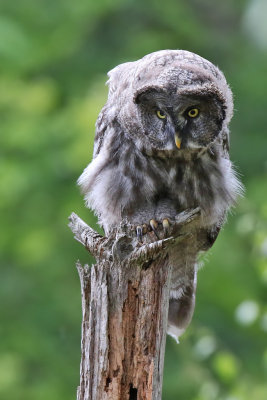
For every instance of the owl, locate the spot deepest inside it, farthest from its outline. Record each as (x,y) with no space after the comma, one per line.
(161,147)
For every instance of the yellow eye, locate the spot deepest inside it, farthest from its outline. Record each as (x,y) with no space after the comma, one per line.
(160,114)
(193,113)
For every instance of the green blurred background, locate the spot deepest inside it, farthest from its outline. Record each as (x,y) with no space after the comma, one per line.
(54,56)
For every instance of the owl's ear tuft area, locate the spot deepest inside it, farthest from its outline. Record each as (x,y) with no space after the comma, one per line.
(145,94)
(118,75)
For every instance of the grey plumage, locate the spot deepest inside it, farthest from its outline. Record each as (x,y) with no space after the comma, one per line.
(161,146)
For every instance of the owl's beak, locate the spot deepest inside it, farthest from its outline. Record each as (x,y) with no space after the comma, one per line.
(178,141)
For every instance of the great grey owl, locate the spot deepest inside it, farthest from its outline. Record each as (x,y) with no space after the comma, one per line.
(161,147)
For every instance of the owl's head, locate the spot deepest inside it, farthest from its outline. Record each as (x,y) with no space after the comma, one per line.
(172,100)
(175,118)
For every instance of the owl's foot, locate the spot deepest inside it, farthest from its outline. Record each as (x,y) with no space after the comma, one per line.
(160,229)
(155,226)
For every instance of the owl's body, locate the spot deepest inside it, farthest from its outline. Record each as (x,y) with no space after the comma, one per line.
(161,147)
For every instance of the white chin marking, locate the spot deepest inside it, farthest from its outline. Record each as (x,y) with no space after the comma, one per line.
(192,145)
(170,146)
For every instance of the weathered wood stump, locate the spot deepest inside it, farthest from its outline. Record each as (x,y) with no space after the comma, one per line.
(125,298)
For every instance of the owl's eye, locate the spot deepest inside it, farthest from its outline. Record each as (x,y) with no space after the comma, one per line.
(193,113)
(160,114)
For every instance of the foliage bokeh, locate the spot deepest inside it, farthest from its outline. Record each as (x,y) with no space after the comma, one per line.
(54,56)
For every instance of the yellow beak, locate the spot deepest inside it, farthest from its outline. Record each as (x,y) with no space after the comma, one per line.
(178,141)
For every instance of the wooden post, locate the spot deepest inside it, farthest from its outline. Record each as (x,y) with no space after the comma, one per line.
(125,298)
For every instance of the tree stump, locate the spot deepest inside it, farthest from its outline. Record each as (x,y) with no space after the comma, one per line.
(125,299)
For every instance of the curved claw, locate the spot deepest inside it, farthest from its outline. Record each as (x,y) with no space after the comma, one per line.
(166,227)
(139,233)
(154,226)
(144,228)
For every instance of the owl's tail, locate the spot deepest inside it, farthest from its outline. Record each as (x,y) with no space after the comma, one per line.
(181,310)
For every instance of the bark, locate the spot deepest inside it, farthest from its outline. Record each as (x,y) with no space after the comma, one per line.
(125,299)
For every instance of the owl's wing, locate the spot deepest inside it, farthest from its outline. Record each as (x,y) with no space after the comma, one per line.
(101,128)
(118,77)
(208,236)
(225,143)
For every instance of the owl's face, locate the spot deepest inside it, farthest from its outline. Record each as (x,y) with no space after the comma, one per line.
(177,121)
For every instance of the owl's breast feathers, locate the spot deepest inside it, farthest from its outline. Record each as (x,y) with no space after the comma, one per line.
(121,181)
(207,180)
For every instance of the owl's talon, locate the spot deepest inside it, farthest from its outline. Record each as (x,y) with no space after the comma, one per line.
(139,233)
(153,224)
(166,227)
(144,228)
